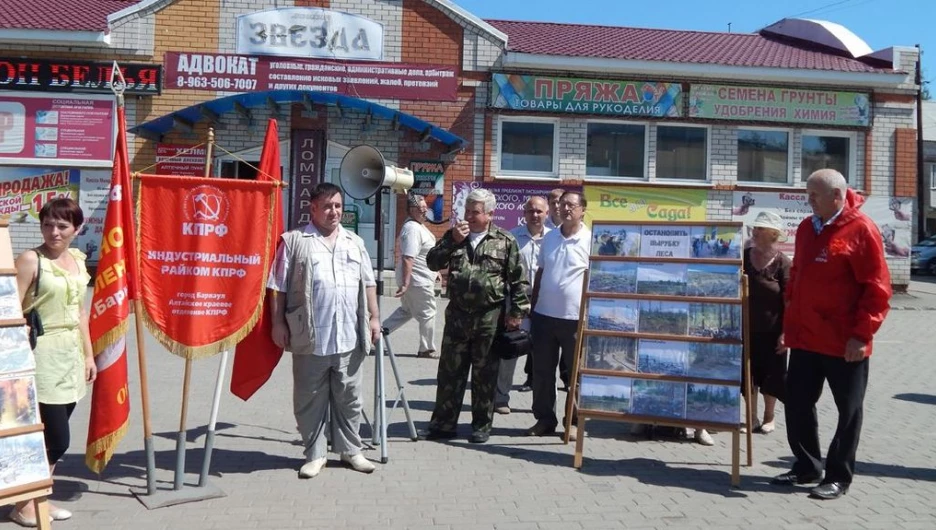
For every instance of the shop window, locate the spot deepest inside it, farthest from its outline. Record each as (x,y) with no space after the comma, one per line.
(682,152)
(763,156)
(933,177)
(528,147)
(828,150)
(615,150)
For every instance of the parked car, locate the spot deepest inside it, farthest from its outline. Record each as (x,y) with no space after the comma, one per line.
(923,256)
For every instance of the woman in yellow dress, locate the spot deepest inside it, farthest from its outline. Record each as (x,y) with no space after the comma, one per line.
(64,359)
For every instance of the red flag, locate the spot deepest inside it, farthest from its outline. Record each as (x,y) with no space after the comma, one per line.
(115,285)
(257,355)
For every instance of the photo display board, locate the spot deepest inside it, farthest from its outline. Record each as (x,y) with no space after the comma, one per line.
(662,337)
(23,464)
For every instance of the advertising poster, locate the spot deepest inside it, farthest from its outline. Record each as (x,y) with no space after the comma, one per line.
(791,206)
(95,187)
(36,130)
(250,73)
(586,96)
(510,199)
(893,217)
(429,181)
(180,160)
(25,190)
(788,105)
(634,203)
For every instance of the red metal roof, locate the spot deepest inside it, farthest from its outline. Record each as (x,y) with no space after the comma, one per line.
(65,15)
(677,46)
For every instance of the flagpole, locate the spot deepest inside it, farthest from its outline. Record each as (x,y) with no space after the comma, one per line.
(187,378)
(210,436)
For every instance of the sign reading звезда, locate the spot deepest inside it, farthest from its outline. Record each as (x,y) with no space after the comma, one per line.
(586,96)
(789,105)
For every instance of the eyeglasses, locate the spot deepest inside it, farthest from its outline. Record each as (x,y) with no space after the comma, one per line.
(569,205)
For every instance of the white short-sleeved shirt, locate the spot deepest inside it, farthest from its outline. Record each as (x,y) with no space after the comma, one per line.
(336,275)
(564,261)
(529,250)
(415,242)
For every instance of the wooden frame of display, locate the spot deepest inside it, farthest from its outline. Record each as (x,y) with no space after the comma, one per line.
(627,342)
(20,368)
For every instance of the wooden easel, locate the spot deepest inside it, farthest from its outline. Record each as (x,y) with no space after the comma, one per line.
(579,364)
(38,491)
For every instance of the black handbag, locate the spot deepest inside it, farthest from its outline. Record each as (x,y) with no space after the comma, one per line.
(32,318)
(512,344)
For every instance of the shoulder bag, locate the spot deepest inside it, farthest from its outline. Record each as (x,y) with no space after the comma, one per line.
(32,318)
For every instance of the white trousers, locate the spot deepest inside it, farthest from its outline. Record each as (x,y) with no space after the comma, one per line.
(328,383)
(419,303)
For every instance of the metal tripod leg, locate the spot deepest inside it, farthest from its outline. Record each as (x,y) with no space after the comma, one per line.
(401,392)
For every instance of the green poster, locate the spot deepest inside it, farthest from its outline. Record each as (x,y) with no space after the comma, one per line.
(787,105)
(586,96)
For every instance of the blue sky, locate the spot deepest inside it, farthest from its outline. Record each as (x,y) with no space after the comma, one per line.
(881,23)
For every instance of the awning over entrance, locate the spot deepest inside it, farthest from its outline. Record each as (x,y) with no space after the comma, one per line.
(243,103)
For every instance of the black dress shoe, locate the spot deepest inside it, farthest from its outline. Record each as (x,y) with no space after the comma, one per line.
(792,479)
(828,491)
(479,437)
(434,434)
(541,429)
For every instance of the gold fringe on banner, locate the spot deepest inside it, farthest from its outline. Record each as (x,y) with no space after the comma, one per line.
(111,336)
(207,350)
(105,446)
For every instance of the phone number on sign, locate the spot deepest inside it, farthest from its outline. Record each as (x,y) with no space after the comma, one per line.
(220,83)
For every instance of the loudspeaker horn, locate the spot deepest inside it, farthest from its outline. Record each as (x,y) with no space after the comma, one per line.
(364,171)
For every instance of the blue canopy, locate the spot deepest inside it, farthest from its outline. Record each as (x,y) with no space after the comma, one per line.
(160,126)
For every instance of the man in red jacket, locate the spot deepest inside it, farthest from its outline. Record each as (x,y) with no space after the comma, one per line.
(837,298)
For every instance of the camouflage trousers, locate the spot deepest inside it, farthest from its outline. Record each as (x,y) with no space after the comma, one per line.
(466,343)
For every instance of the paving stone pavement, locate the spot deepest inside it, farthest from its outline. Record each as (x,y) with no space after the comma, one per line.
(514,482)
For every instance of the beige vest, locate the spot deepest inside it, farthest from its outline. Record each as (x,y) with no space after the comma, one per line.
(300,313)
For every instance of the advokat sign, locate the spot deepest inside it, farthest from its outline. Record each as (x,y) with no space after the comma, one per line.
(77,76)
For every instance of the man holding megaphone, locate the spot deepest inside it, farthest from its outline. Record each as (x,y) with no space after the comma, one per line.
(485,275)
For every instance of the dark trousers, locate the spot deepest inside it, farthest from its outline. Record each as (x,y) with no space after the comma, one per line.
(466,344)
(57,432)
(848,381)
(552,336)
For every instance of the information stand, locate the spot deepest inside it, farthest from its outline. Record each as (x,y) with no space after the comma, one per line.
(24,468)
(661,336)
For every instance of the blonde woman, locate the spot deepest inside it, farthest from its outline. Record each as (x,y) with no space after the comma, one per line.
(768,272)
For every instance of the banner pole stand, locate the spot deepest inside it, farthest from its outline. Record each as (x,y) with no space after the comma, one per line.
(215,405)
(144,398)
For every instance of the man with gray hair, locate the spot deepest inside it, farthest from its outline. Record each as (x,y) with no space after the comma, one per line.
(485,275)
(836,299)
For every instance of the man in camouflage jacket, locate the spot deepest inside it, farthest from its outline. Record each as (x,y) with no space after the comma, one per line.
(485,278)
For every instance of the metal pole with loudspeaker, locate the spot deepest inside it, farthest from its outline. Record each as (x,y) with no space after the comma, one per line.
(365,173)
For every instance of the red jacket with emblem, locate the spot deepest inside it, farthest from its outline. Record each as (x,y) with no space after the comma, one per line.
(840,287)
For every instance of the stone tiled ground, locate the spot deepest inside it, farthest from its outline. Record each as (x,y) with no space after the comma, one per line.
(514,482)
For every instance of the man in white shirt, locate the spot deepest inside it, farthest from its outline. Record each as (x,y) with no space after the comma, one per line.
(552,222)
(529,237)
(415,282)
(324,310)
(557,297)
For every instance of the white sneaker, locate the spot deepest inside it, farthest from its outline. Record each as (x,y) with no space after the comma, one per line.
(312,468)
(358,463)
(703,437)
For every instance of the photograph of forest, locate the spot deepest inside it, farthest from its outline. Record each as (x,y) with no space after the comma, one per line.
(717,321)
(664,318)
(714,403)
(17,356)
(713,281)
(612,277)
(615,240)
(716,242)
(22,460)
(715,361)
(18,402)
(607,314)
(611,353)
(608,394)
(659,398)
(663,357)
(662,278)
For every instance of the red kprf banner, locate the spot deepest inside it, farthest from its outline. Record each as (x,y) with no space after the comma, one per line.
(204,251)
(114,287)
